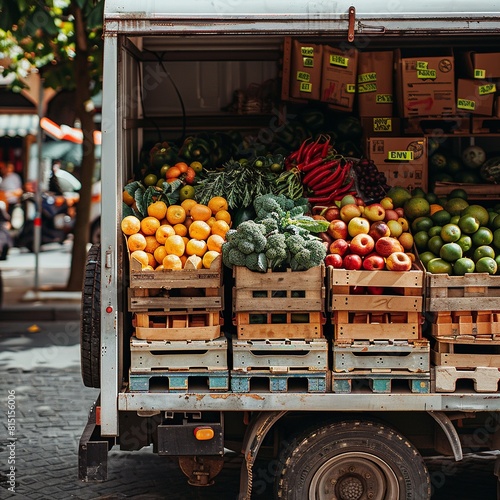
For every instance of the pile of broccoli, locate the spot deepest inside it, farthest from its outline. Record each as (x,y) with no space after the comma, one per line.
(279,237)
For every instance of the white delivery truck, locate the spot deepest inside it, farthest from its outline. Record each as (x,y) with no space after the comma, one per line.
(172,69)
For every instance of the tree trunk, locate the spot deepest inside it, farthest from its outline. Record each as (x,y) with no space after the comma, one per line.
(82,96)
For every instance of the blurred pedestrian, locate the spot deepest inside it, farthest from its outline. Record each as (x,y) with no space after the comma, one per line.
(11,185)
(5,236)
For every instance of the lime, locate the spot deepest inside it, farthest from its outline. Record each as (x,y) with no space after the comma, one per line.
(483,251)
(486,265)
(435,243)
(468,176)
(450,252)
(441,217)
(483,236)
(458,193)
(160,182)
(479,212)
(496,238)
(492,214)
(495,223)
(434,231)
(431,198)
(438,161)
(439,266)
(421,224)
(421,239)
(418,193)
(150,180)
(163,170)
(454,219)
(456,205)
(453,166)
(497,260)
(398,195)
(465,241)
(468,224)
(425,257)
(450,233)
(463,266)
(196,166)
(416,207)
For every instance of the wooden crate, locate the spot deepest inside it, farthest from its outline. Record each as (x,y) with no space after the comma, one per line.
(485,125)
(279,325)
(169,290)
(474,191)
(376,325)
(182,381)
(393,382)
(466,353)
(297,291)
(178,325)
(434,125)
(466,324)
(265,381)
(381,356)
(177,355)
(471,292)
(485,379)
(280,356)
(403,290)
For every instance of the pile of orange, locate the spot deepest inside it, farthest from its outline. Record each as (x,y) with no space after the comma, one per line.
(185,236)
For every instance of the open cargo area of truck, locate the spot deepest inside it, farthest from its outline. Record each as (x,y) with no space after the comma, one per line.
(348,391)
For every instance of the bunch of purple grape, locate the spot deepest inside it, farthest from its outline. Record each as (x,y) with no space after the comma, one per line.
(372,184)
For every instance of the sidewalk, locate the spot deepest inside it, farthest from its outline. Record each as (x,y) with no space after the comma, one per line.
(49,302)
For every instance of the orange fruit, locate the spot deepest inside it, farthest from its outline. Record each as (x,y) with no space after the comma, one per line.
(172,173)
(217,203)
(199,230)
(128,199)
(214,242)
(223,215)
(176,214)
(141,256)
(200,212)
(180,229)
(185,239)
(220,227)
(193,262)
(151,260)
(182,166)
(157,209)
(159,267)
(187,204)
(130,225)
(183,260)
(196,247)
(148,268)
(172,262)
(151,244)
(136,241)
(163,232)
(435,207)
(211,221)
(209,257)
(175,245)
(160,253)
(149,225)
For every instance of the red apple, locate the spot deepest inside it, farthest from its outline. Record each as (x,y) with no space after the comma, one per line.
(358,225)
(362,244)
(337,229)
(318,217)
(331,213)
(398,261)
(379,229)
(352,261)
(387,245)
(374,262)
(358,290)
(349,211)
(400,211)
(375,290)
(360,202)
(334,260)
(391,215)
(374,212)
(339,247)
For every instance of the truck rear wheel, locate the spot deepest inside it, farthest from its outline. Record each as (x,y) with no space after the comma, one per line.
(90,322)
(352,460)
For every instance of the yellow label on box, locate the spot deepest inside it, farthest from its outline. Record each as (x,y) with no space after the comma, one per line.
(307,51)
(308,62)
(427,73)
(302,76)
(382,124)
(422,65)
(466,104)
(480,73)
(400,155)
(367,87)
(305,87)
(337,60)
(489,88)
(350,88)
(367,77)
(383,98)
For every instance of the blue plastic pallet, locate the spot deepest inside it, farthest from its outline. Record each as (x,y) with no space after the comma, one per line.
(279,382)
(180,381)
(379,382)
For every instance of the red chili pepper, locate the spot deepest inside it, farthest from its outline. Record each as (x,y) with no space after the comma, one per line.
(300,151)
(319,200)
(327,182)
(345,188)
(326,145)
(313,148)
(314,177)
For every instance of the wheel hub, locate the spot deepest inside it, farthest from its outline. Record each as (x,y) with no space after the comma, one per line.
(350,488)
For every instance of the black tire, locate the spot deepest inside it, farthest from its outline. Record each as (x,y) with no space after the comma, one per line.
(90,322)
(352,460)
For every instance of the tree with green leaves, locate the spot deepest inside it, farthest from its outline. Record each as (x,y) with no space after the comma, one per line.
(62,40)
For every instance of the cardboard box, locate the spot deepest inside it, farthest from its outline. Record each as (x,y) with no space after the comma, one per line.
(475,96)
(380,126)
(426,85)
(305,74)
(482,65)
(338,80)
(403,160)
(375,83)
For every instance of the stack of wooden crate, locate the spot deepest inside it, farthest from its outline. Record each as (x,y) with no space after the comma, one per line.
(279,344)
(465,330)
(377,337)
(177,342)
